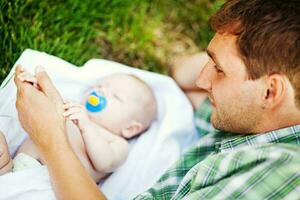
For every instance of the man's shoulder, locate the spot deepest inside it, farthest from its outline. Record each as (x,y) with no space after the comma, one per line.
(247,172)
(270,152)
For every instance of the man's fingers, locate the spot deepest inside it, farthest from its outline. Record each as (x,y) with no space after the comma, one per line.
(46,84)
(23,86)
(27,78)
(19,70)
(44,81)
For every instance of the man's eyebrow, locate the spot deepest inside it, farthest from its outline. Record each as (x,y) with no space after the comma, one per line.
(213,57)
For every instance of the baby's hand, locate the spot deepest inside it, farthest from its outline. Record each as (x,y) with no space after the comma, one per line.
(5,159)
(25,76)
(77,113)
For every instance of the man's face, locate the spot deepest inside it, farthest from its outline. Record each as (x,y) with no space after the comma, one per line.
(234,98)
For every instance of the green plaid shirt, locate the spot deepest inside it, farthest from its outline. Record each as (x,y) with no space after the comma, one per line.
(227,166)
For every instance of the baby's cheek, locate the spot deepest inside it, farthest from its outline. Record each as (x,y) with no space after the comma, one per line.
(96,117)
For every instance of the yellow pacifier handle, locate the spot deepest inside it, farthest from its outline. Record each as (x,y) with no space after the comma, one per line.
(93,100)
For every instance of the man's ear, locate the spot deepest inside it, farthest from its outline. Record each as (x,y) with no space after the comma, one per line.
(275,90)
(133,129)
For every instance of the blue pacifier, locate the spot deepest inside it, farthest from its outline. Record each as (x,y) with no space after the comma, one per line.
(95,102)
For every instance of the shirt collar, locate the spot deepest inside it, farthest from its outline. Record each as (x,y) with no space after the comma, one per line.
(289,135)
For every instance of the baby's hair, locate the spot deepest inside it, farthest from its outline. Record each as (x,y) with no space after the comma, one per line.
(140,80)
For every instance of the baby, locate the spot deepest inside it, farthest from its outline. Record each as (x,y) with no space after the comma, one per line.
(116,108)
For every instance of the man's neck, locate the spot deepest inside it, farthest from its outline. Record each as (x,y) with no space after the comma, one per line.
(278,121)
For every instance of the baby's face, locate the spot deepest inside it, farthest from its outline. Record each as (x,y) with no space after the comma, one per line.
(122,93)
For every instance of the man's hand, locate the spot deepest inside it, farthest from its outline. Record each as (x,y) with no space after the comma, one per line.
(41,115)
(5,159)
(78,114)
(40,111)
(25,76)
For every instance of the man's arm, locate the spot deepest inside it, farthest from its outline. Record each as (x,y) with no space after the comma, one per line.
(185,71)
(45,124)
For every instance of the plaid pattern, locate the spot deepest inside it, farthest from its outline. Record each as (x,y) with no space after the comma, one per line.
(227,166)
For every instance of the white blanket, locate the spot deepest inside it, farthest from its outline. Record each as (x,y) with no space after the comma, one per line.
(150,154)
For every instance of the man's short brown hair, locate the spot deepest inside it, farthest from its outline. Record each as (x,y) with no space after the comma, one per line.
(268,36)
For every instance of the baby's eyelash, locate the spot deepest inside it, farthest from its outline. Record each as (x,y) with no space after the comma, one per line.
(117,97)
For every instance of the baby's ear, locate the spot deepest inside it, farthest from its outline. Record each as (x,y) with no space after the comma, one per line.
(133,129)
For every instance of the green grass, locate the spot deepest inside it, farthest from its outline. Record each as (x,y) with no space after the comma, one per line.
(142,33)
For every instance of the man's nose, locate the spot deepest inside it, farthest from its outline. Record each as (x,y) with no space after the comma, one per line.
(204,80)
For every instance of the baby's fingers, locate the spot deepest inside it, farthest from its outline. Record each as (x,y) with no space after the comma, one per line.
(72,111)
(67,105)
(74,116)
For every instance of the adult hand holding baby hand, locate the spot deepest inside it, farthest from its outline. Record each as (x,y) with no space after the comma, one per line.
(40,110)
(41,115)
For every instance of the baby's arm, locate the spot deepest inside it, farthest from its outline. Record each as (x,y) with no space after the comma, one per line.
(105,150)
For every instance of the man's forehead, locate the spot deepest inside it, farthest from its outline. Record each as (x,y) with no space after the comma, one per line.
(223,43)
(223,49)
